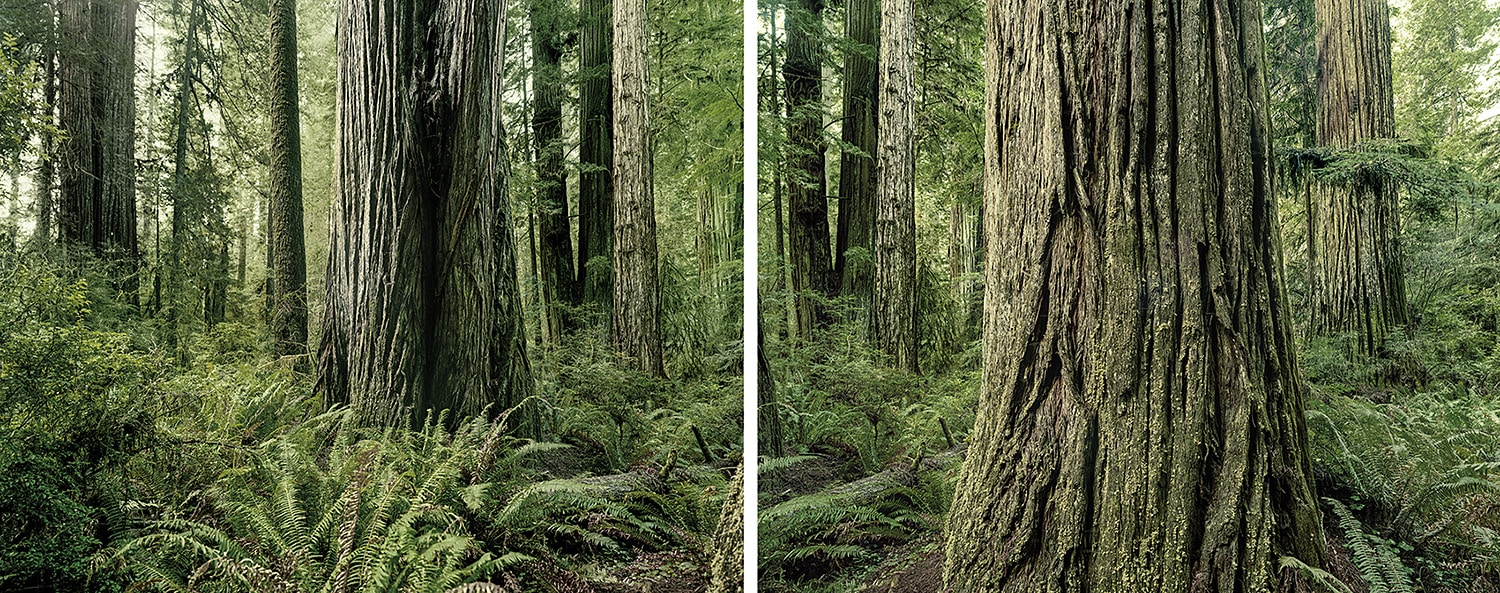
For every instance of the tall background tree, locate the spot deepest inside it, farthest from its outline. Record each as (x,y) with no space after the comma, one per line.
(423,307)
(1141,414)
(807,245)
(96,72)
(894,310)
(549,20)
(636,308)
(287,263)
(595,152)
(1354,229)
(857,166)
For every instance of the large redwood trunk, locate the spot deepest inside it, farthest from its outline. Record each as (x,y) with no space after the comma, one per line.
(423,310)
(1141,415)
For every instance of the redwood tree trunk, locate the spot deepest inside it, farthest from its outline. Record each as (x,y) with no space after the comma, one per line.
(96,68)
(856,217)
(1354,230)
(423,309)
(894,301)
(636,311)
(595,153)
(553,227)
(807,187)
(288,266)
(1140,425)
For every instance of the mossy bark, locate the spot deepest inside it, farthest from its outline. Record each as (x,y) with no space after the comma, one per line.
(727,554)
(554,241)
(1354,247)
(1140,424)
(288,254)
(595,152)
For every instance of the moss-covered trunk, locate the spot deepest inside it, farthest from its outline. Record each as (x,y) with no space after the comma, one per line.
(1354,247)
(856,217)
(287,268)
(1140,425)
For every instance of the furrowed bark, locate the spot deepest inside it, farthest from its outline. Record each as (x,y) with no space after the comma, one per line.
(596,153)
(555,241)
(727,553)
(636,311)
(893,310)
(856,217)
(807,187)
(1140,425)
(423,308)
(1354,230)
(288,256)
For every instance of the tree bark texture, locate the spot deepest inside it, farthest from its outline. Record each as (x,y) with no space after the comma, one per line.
(288,253)
(596,153)
(553,227)
(636,312)
(807,187)
(423,307)
(893,310)
(726,572)
(856,217)
(1354,230)
(1140,425)
(97,75)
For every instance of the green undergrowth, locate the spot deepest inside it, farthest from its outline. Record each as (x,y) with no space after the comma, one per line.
(123,471)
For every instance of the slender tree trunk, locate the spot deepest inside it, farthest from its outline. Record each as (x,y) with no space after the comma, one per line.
(47,172)
(174,289)
(705,239)
(553,226)
(423,308)
(856,217)
(636,314)
(893,309)
(1140,425)
(596,153)
(772,437)
(808,247)
(966,263)
(287,265)
(1355,229)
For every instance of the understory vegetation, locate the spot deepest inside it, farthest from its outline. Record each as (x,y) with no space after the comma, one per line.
(120,471)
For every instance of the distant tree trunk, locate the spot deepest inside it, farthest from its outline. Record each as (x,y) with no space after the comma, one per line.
(966,263)
(186,72)
(1140,425)
(636,314)
(47,173)
(772,437)
(423,308)
(705,241)
(893,310)
(97,74)
(726,572)
(808,247)
(287,267)
(1354,230)
(595,153)
(856,217)
(216,290)
(553,226)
